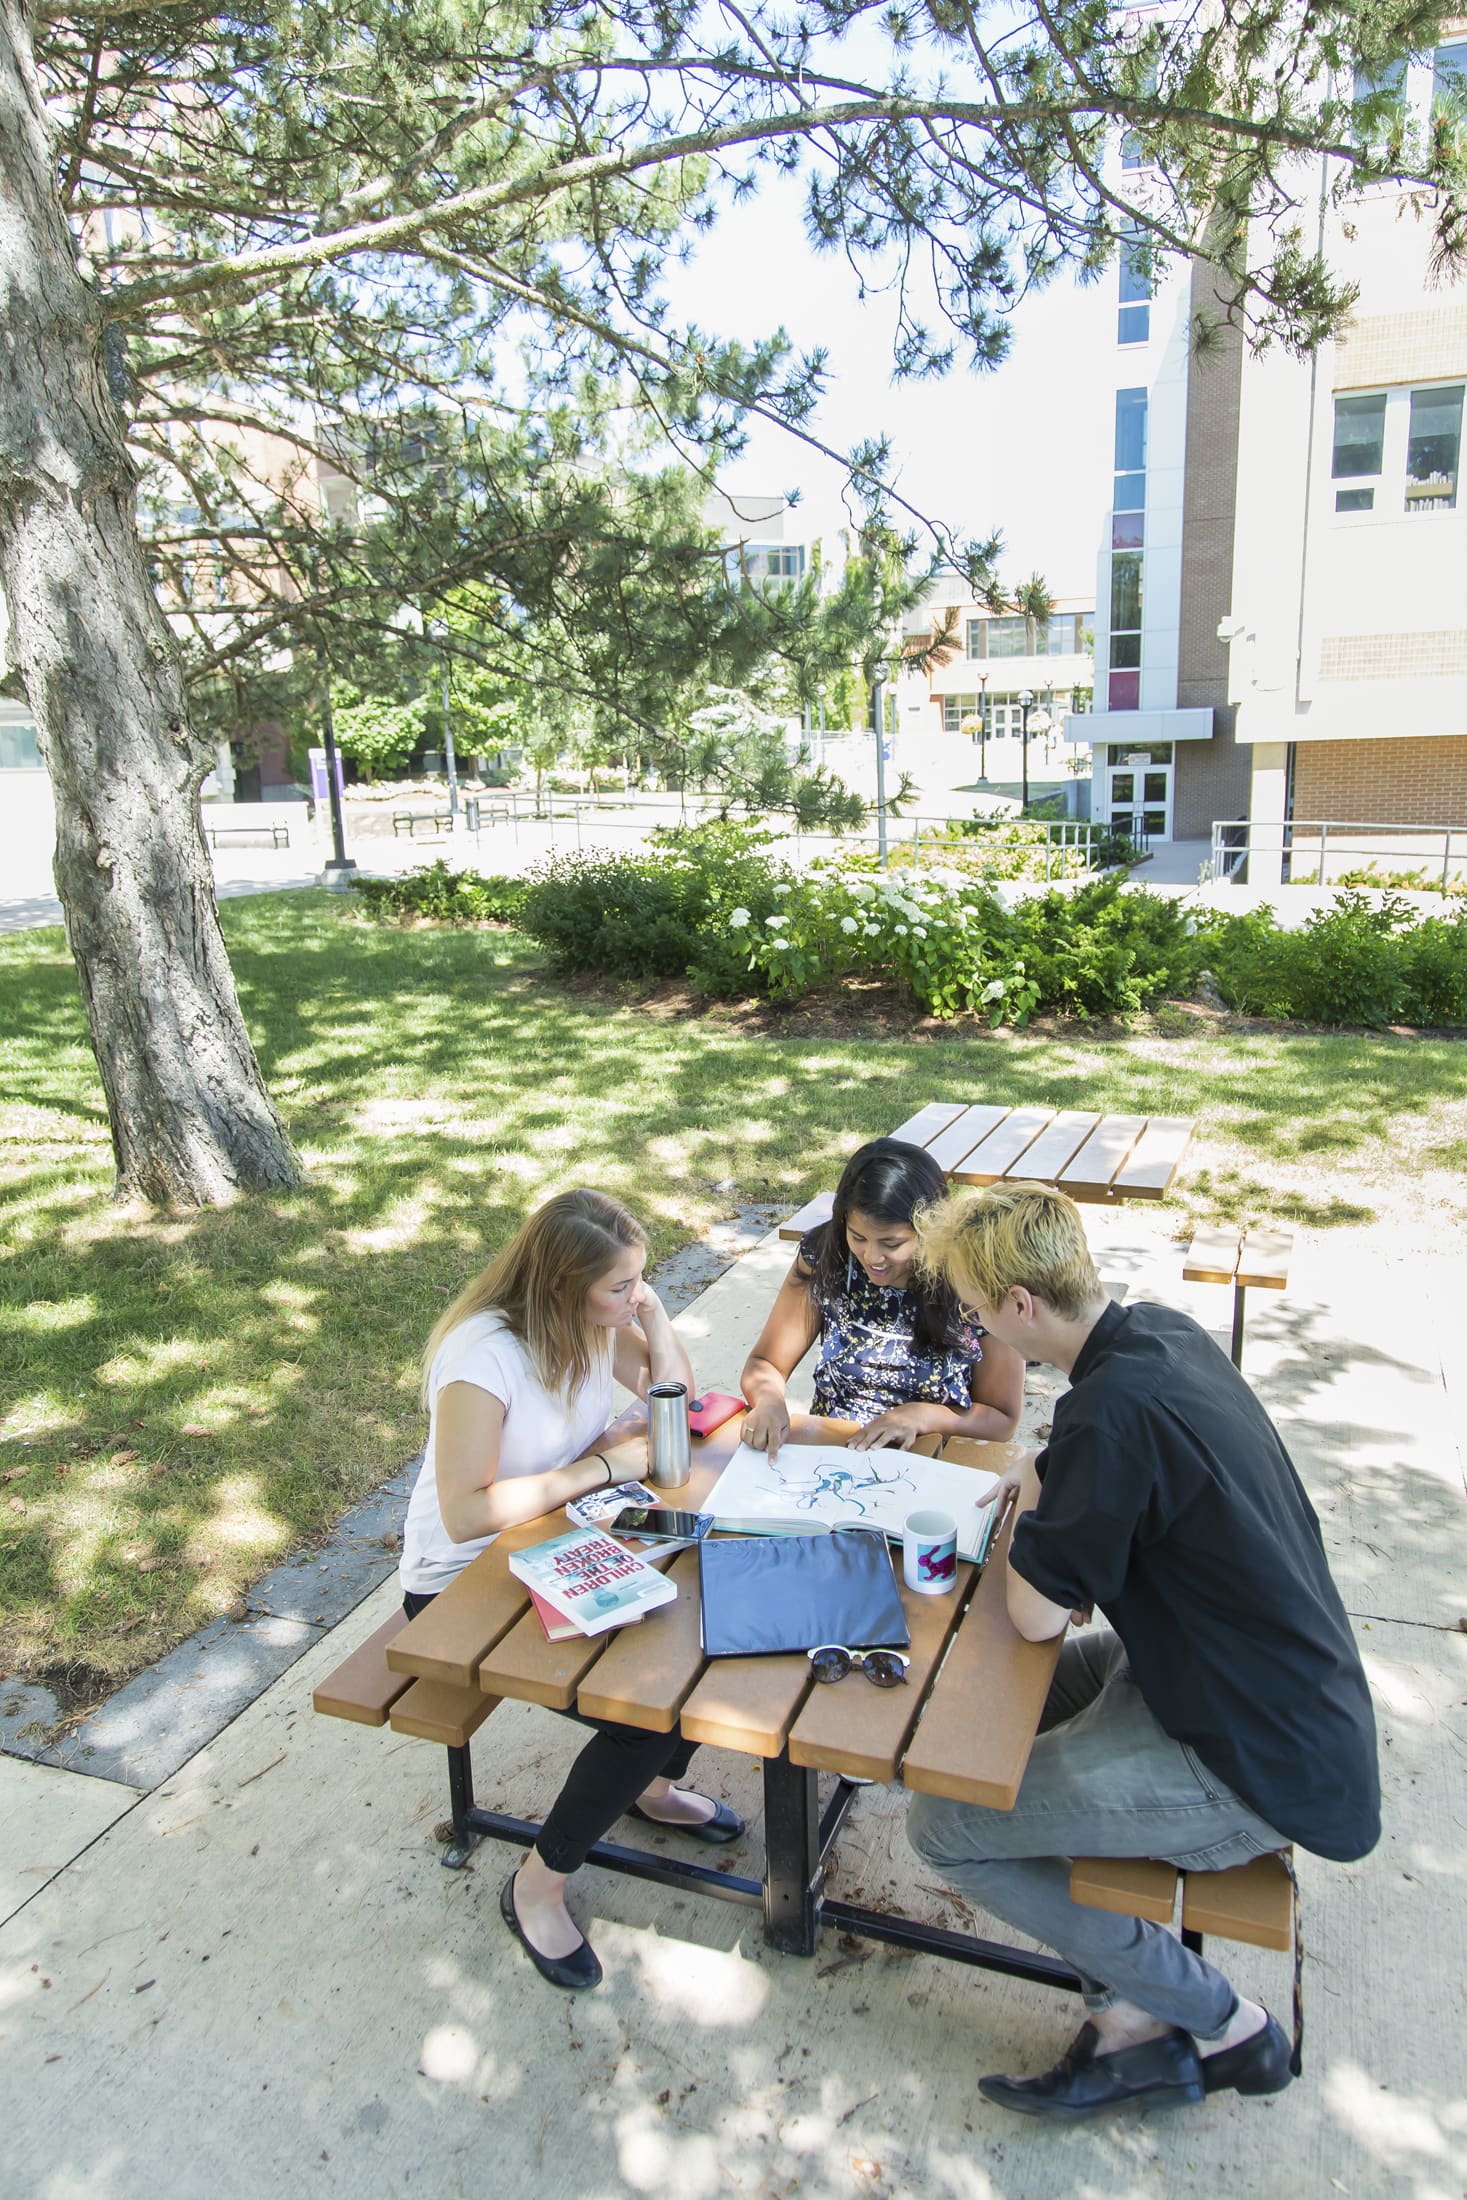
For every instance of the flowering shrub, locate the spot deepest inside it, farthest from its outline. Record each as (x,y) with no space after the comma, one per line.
(443,895)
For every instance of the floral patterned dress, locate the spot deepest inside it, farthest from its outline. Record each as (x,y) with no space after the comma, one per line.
(866,1359)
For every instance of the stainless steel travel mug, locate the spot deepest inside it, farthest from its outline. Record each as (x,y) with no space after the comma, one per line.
(669,1442)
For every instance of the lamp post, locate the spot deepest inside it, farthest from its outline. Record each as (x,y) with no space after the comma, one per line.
(983,678)
(439,630)
(1026,700)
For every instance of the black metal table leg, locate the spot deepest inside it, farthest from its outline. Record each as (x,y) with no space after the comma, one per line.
(1237,1353)
(792,1857)
(461,1801)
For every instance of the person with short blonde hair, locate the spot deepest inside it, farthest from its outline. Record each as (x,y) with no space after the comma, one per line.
(985,1241)
(1194,1729)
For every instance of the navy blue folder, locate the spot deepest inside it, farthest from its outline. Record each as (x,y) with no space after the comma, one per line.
(767,1594)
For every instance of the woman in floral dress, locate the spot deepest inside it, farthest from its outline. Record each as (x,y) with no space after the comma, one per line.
(896,1352)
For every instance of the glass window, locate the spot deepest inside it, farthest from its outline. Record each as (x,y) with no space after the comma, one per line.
(1123,786)
(1449,73)
(19,751)
(1130,492)
(1388,82)
(1128,531)
(1130,430)
(1125,651)
(1359,436)
(1125,691)
(1133,321)
(1009,637)
(1433,447)
(1354,500)
(1125,592)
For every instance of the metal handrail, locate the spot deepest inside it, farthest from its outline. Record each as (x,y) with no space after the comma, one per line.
(1235,839)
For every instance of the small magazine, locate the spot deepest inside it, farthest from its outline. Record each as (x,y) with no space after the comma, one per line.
(591,1579)
(599,1506)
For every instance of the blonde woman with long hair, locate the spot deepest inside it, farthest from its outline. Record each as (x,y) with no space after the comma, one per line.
(517,1380)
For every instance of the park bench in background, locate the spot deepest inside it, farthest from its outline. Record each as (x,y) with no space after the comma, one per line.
(277,835)
(408,821)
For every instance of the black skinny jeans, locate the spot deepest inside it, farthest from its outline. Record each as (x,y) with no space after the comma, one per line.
(613,1769)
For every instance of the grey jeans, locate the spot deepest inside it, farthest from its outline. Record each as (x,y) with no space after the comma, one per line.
(1103,1780)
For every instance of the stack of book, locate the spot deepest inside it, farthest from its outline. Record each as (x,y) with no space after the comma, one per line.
(587,1582)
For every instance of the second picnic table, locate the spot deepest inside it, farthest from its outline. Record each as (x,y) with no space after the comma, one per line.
(1100,1159)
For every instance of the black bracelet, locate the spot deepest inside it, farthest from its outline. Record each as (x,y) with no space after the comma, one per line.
(610,1472)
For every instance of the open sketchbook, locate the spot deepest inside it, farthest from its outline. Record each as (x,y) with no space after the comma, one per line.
(814,1486)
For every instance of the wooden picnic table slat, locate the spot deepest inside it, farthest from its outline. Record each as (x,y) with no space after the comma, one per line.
(1264,1260)
(1212,1256)
(966,1131)
(920,1129)
(978,1725)
(648,1671)
(1158,1156)
(852,1726)
(449,1641)
(748,1704)
(1002,1147)
(1054,1146)
(1101,1158)
(809,1217)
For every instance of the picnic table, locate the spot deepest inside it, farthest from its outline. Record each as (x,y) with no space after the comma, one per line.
(1096,1158)
(962,1726)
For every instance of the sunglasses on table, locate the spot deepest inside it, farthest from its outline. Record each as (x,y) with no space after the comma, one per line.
(883,1668)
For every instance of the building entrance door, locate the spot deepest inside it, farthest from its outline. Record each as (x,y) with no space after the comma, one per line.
(1140,797)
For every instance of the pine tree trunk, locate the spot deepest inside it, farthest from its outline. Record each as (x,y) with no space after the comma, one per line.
(191,1120)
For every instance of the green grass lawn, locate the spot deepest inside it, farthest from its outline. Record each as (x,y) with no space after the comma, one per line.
(186,1398)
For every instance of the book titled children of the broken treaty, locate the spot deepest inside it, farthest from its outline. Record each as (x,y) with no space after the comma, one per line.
(591,1579)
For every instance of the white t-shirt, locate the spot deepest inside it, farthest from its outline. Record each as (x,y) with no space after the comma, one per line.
(541,1432)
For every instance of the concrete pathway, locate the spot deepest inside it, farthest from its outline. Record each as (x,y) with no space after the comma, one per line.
(256,1979)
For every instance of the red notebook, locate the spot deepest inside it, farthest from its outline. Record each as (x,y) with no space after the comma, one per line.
(556,1628)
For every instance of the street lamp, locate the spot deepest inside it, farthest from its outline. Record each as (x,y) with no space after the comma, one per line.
(1026,700)
(438,628)
(983,679)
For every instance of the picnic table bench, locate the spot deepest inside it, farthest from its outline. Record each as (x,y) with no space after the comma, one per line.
(1247,1259)
(1096,1158)
(962,1727)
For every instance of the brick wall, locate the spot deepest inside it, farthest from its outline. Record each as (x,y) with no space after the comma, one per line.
(1212,777)
(1412,781)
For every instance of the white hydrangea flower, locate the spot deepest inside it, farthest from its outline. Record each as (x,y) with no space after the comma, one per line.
(859,890)
(872,931)
(775,943)
(774,923)
(901,931)
(848,924)
(738,918)
(994,990)
(919,931)
(783,886)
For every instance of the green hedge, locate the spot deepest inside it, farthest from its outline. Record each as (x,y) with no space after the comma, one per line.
(447,896)
(710,904)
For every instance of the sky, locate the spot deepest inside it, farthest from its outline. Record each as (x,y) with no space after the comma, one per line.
(1023,449)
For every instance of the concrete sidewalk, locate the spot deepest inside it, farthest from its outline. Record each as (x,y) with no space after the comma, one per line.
(257,1979)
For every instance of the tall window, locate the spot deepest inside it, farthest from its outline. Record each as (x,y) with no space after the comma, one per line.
(1433,448)
(1449,71)
(1133,317)
(1359,450)
(1128,539)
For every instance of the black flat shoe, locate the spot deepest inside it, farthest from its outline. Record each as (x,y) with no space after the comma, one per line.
(724,1825)
(1165,2073)
(574,1972)
(1258,2065)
